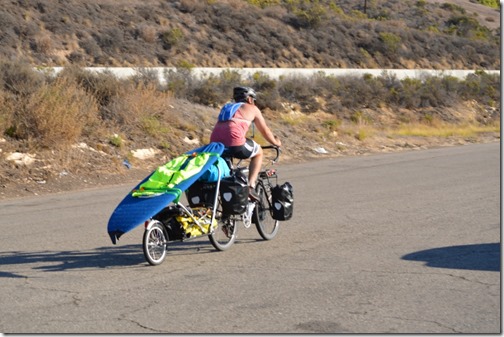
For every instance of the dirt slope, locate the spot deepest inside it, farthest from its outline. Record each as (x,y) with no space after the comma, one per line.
(486,16)
(94,168)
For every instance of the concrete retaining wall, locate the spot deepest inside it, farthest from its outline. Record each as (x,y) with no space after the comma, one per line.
(275,73)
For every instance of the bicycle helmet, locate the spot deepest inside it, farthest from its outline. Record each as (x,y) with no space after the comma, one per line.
(240,94)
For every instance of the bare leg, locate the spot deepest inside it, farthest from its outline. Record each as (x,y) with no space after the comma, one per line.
(255,167)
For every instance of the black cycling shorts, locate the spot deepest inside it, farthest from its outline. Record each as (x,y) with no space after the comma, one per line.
(245,151)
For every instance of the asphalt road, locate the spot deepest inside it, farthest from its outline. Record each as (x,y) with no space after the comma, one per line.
(395,243)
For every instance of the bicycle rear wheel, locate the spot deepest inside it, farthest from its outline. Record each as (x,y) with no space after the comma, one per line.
(154,243)
(265,224)
(224,235)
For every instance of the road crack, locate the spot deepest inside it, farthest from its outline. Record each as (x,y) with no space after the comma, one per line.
(423,273)
(142,326)
(425,321)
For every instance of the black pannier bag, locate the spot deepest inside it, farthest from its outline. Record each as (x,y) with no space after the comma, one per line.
(201,194)
(167,217)
(282,203)
(234,193)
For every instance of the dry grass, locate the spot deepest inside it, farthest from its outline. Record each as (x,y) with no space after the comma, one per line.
(6,111)
(57,114)
(294,118)
(142,111)
(445,130)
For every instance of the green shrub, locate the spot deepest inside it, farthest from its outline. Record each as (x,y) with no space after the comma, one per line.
(116,140)
(153,126)
(421,3)
(391,41)
(332,124)
(361,134)
(359,118)
(490,3)
(309,14)
(408,93)
(467,27)
(172,37)
(264,3)
(335,8)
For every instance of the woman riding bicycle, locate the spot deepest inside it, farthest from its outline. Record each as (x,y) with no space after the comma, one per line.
(232,126)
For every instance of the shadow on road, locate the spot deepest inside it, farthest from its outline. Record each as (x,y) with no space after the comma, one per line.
(485,257)
(103,257)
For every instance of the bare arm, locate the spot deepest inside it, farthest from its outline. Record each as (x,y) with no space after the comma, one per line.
(260,123)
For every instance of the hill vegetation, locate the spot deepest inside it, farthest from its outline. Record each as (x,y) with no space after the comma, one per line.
(80,128)
(250,33)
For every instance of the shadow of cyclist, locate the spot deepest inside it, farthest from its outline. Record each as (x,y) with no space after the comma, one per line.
(102,257)
(484,256)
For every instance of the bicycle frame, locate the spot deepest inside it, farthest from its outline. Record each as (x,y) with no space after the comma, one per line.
(180,222)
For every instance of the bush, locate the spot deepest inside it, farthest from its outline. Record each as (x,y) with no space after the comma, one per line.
(482,87)
(408,93)
(439,91)
(56,115)
(181,80)
(264,3)
(172,38)
(110,40)
(295,90)
(144,106)
(309,14)
(490,3)
(146,77)
(390,41)
(7,109)
(453,8)
(104,86)
(56,110)
(205,92)
(19,78)
(353,93)
(267,91)
(467,27)
(147,33)
(228,79)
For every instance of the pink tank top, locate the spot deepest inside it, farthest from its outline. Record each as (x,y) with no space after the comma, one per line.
(231,132)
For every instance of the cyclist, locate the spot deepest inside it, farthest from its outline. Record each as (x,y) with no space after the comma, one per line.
(232,126)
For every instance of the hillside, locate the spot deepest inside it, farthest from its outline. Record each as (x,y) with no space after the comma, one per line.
(234,33)
(88,131)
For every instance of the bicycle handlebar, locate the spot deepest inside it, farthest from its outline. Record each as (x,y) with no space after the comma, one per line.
(278,151)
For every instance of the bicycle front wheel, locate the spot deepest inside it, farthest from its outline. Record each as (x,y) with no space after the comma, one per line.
(266,225)
(224,235)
